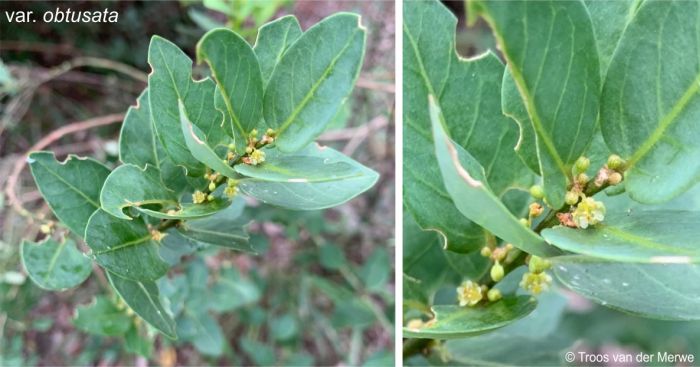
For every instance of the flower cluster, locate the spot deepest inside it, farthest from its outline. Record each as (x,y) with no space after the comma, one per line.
(536,280)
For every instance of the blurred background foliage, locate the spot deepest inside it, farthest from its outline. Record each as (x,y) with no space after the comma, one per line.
(320,292)
(563,320)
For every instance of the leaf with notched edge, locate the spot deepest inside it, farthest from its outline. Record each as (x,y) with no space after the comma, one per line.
(313,78)
(552,54)
(55,266)
(131,186)
(124,247)
(273,40)
(71,188)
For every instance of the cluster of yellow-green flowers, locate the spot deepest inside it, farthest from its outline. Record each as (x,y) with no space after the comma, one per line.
(536,280)
(231,188)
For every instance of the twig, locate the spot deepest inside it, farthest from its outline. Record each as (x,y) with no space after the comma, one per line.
(371,84)
(44,142)
(362,133)
(376,123)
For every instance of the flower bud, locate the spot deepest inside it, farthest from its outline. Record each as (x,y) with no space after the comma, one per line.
(485,251)
(615,162)
(581,165)
(497,272)
(582,179)
(232,147)
(210,197)
(524,222)
(537,192)
(571,198)
(212,186)
(535,210)
(615,178)
(538,264)
(249,150)
(494,295)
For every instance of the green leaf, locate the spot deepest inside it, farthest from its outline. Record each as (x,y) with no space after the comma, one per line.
(313,178)
(55,266)
(466,183)
(170,82)
(139,145)
(609,21)
(232,291)
(513,107)
(451,322)
(130,186)
(650,109)
(136,342)
(375,271)
(663,291)
(124,247)
(71,188)
(143,297)
(225,228)
(203,331)
(552,55)
(102,317)
(201,149)
(660,236)
(274,39)
(237,73)
(331,257)
(190,210)
(313,79)
(469,93)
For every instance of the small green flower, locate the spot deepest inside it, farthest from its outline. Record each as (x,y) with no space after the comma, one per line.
(571,198)
(588,213)
(231,191)
(212,186)
(537,192)
(469,293)
(536,283)
(497,272)
(494,295)
(538,264)
(199,197)
(257,157)
(485,251)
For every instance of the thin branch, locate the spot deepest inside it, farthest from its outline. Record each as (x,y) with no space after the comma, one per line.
(366,83)
(10,190)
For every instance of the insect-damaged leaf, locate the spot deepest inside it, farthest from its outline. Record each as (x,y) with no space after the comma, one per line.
(640,236)
(469,93)
(466,183)
(124,247)
(55,266)
(313,178)
(663,291)
(451,322)
(237,73)
(313,79)
(273,40)
(143,297)
(552,55)
(139,145)
(129,185)
(71,188)
(650,109)
(171,81)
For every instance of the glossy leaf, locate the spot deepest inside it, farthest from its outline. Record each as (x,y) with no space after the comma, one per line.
(558,82)
(170,82)
(513,107)
(452,322)
(136,342)
(201,149)
(466,183)
(313,79)
(55,266)
(143,297)
(273,40)
(313,178)
(650,109)
(660,236)
(469,94)
(130,186)
(71,188)
(124,247)
(226,228)
(102,317)
(139,145)
(237,73)
(663,291)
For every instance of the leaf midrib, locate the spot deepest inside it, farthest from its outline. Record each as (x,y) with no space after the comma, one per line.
(54,259)
(78,191)
(529,102)
(297,110)
(644,242)
(665,123)
(124,245)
